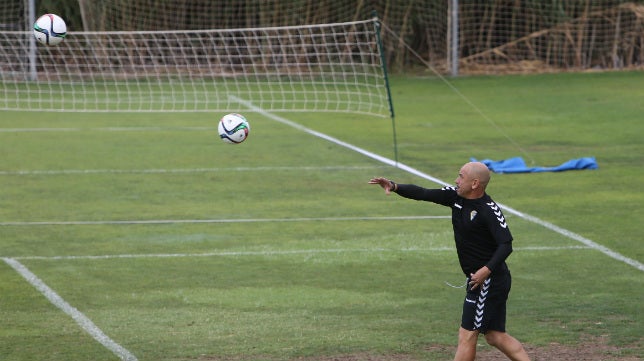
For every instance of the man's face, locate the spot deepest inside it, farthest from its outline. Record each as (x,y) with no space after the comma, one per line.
(463,182)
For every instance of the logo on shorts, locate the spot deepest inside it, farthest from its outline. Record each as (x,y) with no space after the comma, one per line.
(480,304)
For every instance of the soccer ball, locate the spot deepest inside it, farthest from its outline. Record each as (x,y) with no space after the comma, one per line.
(233,128)
(50,29)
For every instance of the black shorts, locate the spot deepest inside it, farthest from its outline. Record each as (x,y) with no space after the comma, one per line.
(484,307)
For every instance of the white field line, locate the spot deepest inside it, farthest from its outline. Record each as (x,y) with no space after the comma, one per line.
(281,253)
(566,233)
(182,170)
(82,320)
(104,129)
(246,220)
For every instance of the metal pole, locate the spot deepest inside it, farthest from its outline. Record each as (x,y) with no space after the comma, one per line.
(453,17)
(33,73)
(381,50)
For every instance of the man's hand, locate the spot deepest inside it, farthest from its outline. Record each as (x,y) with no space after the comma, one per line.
(477,279)
(385,183)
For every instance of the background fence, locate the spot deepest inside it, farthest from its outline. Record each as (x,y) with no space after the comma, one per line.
(496,36)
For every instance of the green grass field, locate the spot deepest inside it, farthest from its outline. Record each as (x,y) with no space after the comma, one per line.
(167,244)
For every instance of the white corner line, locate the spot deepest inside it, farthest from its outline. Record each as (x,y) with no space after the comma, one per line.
(82,320)
(569,234)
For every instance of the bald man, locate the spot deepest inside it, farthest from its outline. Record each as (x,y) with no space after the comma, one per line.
(483,242)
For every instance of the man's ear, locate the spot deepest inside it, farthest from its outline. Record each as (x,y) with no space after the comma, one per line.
(475,183)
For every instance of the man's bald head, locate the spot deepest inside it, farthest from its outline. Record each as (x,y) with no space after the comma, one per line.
(472,180)
(481,172)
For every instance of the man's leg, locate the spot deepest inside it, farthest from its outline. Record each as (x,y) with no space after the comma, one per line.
(507,344)
(466,350)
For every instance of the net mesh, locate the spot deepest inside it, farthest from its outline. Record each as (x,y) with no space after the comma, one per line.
(552,36)
(328,68)
(494,36)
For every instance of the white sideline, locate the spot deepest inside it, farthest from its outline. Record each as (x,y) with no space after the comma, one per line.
(569,234)
(104,129)
(176,171)
(278,253)
(82,320)
(237,220)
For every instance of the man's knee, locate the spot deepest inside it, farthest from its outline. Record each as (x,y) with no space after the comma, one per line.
(507,344)
(494,338)
(466,336)
(466,350)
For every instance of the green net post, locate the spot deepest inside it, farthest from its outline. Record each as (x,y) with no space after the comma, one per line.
(383,62)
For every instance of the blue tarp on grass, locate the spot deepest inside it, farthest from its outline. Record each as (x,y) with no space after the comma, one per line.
(517,165)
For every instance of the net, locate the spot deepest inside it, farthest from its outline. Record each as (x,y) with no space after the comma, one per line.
(538,36)
(190,54)
(327,68)
(493,36)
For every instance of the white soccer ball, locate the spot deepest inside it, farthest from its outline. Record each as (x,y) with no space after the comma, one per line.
(50,29)
(233,128)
